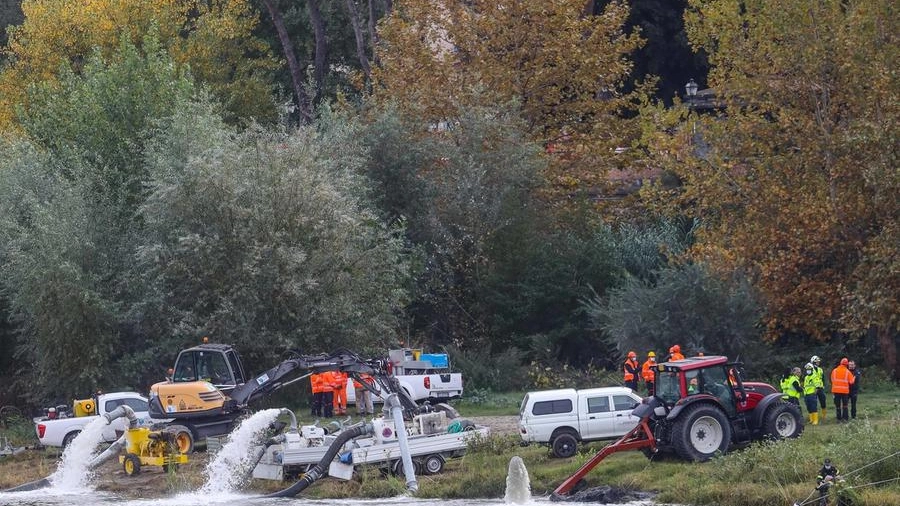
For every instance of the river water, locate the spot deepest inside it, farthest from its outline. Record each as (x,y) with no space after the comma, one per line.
(70,485)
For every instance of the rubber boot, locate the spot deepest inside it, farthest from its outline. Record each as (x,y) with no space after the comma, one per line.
(822,414)
(814,418)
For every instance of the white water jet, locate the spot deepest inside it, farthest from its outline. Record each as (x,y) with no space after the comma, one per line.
(73,472)
(518,485)
(233,462)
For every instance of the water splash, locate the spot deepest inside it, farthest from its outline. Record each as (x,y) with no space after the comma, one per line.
(518,485)
(73,472)
(233,463)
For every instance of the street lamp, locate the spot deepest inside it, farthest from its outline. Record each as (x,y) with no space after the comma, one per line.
(690,90)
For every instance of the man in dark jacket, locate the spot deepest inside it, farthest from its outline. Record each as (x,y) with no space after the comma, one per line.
(854,387)
(825,480)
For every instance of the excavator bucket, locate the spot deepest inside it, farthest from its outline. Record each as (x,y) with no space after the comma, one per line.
(640,437)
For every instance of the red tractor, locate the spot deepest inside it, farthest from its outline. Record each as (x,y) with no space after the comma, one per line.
(701,407)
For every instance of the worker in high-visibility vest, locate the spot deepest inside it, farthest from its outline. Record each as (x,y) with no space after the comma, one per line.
(841,379)
(363,395)
(315,383)
(631,371)
(328,382)
(675,353)
(820,385)
(809,395)
(340,393)
(647,369)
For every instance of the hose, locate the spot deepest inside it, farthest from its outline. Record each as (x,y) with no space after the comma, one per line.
(321,467)
(33,485)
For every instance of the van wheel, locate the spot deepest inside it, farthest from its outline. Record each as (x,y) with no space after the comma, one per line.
(564,445)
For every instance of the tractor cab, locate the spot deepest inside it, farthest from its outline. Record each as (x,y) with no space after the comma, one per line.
(677,382)
(218,364)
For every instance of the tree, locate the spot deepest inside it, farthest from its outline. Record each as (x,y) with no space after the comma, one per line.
(565,68)
(793,186)
(214,38)
(267,240)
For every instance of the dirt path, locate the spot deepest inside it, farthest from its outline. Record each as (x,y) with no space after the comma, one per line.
(500,425)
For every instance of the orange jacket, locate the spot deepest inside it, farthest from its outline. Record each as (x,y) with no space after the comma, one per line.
(315,381)
(365,377)
(630,367)
(841,379)
(647,370)
(676,356)
(327,381)
(340,380)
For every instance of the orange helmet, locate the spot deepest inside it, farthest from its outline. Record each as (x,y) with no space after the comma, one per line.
(632,354)
(844,361)
(676,348)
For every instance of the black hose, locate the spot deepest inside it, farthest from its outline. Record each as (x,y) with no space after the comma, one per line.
(33,485)
(321,467)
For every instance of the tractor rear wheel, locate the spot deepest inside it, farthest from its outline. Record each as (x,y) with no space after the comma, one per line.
(700,432)
(131,464)
(183,438)
(783,420)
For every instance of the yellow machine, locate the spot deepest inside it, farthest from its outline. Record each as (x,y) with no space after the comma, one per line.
(145,447)
(84,407)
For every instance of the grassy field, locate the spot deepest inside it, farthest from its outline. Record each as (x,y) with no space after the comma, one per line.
(761,475)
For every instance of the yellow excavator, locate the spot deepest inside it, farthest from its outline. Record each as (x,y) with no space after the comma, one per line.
(208,390)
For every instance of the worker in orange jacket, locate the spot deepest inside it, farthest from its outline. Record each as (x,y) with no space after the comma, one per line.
(675,353)
(328,382)
(647,369)
(841,379)
(340,393)
(631,370)
(315,383)
(363,396)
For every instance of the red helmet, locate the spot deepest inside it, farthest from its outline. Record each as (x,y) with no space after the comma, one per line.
(632,354)
(676,349)
(844,361)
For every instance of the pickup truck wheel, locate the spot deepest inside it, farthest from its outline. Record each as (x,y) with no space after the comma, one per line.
(433,464)
(700,432)
(131,464)
(183,438)
(69,438)
(564,445)
(783,420)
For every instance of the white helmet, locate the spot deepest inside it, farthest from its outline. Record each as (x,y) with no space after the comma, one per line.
(808,367)
(814,359)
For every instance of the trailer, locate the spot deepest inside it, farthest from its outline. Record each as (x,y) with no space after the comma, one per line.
(431,440)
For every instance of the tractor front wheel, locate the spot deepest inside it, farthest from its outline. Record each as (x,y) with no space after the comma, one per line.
(700,432)
(131,464)
(783,420)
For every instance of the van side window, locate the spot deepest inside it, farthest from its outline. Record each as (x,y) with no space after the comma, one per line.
(552,407)
(598,404)
(624,402)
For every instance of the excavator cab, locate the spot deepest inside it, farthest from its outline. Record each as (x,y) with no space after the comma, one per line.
(218,364)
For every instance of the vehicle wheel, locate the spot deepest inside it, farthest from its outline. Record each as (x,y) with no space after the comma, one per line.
(131,464)
(397,467)
(564,445)
(69,438)
(183,438)
(783,420)
(700,432)
(433,464)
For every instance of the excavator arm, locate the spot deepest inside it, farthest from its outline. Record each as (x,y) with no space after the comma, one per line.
(343,360)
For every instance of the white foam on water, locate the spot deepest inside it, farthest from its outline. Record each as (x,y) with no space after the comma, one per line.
(232,464)
(518,485)
(73,473)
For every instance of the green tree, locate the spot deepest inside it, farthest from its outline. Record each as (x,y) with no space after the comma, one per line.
(268,240)
(792,186)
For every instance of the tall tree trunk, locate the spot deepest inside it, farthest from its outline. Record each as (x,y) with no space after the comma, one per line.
(321,58)
(360,38)
(303,103)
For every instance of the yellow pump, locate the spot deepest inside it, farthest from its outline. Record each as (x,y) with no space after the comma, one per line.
(145,447)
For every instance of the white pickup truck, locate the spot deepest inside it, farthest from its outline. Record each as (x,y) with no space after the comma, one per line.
(563,418)
(424,376)
(61,431)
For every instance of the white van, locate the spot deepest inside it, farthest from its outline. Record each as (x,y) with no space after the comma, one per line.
(562,418)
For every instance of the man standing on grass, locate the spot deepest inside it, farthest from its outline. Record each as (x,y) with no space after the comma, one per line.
(841,380)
